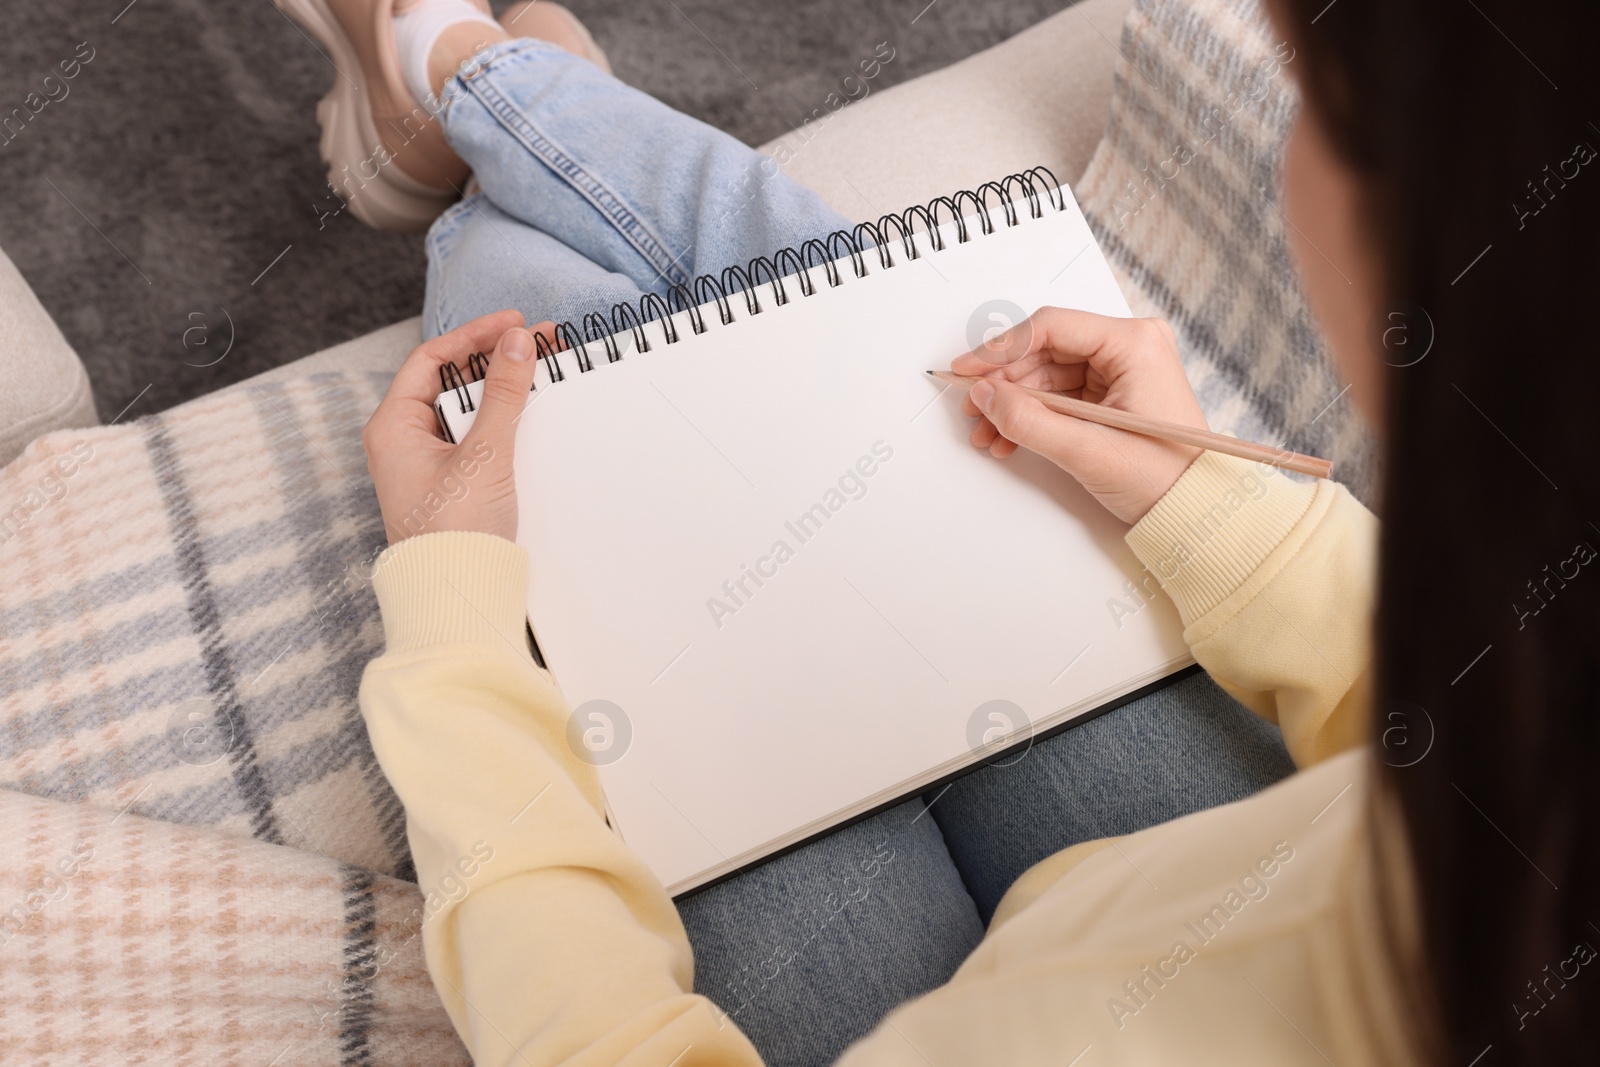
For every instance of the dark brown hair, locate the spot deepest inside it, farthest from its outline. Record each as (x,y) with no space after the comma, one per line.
(1471,127)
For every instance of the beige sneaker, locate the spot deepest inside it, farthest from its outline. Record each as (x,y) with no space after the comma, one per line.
(387,155)
(551,22)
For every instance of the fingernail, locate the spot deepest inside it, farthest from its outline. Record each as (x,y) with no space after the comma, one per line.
(983,395)
(518,344)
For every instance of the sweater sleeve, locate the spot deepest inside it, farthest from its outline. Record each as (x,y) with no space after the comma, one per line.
(1275,582)
(548,941)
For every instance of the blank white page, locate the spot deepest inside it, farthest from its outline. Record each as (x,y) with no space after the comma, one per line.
(871,621)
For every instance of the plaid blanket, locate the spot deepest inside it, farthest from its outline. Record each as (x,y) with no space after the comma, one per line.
(203,861)
(1183,196)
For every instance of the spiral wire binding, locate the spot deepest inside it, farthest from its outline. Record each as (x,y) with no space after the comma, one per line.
(1025,188)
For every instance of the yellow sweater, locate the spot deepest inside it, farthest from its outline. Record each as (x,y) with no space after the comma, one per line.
(1241,934)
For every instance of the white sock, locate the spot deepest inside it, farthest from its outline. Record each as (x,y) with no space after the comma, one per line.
(417,30)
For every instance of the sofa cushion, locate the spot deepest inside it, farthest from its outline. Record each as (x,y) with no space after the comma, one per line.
(380,350)
(1038,99)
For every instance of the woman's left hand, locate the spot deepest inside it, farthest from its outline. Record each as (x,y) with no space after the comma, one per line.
(424,483)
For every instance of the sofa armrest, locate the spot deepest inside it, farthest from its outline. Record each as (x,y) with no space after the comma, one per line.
(43,385)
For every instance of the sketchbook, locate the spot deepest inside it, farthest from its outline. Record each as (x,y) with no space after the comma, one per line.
(777,584)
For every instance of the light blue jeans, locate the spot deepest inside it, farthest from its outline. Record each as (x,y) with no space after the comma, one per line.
(591,194)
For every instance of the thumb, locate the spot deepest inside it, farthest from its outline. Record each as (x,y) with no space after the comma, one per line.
(1021,419)
(505,388)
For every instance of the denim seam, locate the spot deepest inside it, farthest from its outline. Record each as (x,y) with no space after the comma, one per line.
(440,234)
(623,218)
(434,280)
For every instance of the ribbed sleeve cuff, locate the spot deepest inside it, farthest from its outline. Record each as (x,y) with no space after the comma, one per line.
(449,587)
(1215,526)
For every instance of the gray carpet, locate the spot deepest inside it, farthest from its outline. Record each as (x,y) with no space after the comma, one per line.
(171,184)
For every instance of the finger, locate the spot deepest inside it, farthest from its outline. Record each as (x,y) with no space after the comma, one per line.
(1053,335)
(983,433)
(505,390)
(1040,372)
(1054,378)
(985,436)
(418,376)
(1021,419)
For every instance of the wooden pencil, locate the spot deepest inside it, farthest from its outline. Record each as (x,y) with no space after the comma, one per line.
(1160,428)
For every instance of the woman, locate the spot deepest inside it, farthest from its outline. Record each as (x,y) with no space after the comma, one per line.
(1437,908)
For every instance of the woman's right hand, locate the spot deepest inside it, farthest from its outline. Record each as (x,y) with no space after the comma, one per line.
(1129,364)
